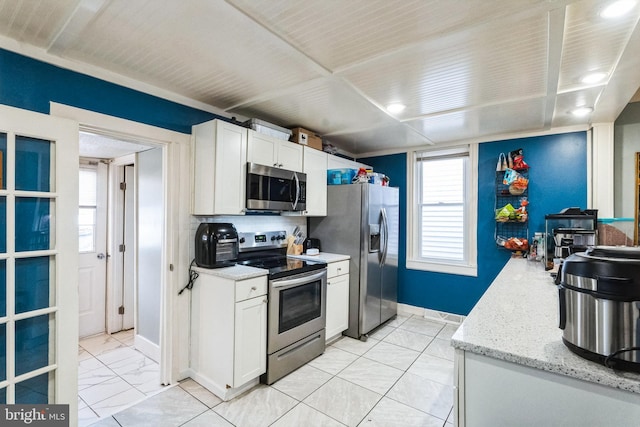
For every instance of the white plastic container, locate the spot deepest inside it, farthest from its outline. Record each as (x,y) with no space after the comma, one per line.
(267,128)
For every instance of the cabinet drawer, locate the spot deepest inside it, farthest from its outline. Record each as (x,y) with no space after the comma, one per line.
(337,268)
(251,288)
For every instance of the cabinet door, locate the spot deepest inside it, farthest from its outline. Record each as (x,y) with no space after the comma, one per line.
(250,347)
(219,189)
(337,305)
(290,156)
(230,169)
(315,166)
(336,162)
(262,149)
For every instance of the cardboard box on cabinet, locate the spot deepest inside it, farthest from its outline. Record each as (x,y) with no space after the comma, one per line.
(306,137)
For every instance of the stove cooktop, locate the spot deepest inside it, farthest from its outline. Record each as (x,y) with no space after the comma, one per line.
(282,266)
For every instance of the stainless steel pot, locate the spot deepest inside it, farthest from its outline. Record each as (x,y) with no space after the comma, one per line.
(599,297)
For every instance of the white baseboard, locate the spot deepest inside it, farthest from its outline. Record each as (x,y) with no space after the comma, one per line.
(221,391)
(440,316)
(146,347)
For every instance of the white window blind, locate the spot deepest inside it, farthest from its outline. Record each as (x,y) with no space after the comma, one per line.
(441,209)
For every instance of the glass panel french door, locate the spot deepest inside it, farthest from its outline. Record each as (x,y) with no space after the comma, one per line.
(38,258)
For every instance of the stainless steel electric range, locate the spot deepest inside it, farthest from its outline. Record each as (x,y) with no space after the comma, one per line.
(297,302)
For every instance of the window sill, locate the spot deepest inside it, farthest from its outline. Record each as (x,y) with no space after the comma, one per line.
(463,270)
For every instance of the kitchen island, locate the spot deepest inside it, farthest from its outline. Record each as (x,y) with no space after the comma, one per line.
(513,369)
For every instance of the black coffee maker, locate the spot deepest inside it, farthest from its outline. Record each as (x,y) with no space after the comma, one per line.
(216,245)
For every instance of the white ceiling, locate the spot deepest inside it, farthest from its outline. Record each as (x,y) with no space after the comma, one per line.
(96,146)
(465,69)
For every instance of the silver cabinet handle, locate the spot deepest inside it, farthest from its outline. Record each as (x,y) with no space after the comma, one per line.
(101,256)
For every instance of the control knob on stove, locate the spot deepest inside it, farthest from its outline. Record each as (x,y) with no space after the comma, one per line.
(273,238)
(242,240)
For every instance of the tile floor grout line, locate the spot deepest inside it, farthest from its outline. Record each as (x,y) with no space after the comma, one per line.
(358,357)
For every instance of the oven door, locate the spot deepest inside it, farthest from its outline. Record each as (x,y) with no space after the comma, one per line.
(297,308)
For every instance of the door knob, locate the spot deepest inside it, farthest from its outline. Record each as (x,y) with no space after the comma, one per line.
(100,255)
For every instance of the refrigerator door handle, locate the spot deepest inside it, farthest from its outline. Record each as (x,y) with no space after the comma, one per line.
(385,229)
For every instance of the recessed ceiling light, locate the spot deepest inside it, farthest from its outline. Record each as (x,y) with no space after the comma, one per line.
(594,78)
(582,111)
(396,108)
(617,8)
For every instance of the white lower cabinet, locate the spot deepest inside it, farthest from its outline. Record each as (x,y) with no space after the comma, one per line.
(337,299)
(228,333)
(494,392)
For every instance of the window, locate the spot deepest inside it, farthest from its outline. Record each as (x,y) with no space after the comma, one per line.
(443,210)
(87,209)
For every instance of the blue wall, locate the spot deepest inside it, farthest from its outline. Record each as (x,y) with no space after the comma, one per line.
(558,179)
(30,84)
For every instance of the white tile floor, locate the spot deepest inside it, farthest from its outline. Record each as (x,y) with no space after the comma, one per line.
(112,375)
(401,376)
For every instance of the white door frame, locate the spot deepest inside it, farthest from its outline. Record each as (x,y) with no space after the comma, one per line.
(174,315)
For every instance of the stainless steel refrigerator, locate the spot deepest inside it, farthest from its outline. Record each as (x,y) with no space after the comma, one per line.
(362,222)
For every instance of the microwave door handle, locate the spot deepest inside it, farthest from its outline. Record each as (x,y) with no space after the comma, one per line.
(295,203)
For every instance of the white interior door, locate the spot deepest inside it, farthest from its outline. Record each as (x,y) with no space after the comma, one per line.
(92,245)
(38,259)
(128,256)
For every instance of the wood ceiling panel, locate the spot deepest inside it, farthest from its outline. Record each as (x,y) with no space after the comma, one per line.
(34,22)
(568,101)
(592,43)
(384,137)
(326,105)
(482,122)
(474,67)
(338,34)
(205,50)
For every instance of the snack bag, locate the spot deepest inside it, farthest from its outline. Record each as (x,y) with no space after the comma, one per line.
(518,159)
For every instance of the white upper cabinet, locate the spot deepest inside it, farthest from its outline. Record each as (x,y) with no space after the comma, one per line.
(336,162)
(315,166)
(219,168)
(269,151)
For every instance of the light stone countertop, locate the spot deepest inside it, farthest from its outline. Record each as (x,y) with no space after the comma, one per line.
(237,272)
(322,256)
(516,320)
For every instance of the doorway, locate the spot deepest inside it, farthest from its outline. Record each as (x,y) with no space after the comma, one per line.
(120,355)
(174,340)
(112,268)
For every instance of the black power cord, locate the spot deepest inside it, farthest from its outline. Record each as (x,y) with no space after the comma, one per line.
(608,359)
(193,275)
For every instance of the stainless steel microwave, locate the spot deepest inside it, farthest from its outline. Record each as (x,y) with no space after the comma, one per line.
(275,189)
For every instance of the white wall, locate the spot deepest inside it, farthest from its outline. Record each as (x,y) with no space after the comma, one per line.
(627,144)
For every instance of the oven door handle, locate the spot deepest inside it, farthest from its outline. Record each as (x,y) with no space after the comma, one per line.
(298,281)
